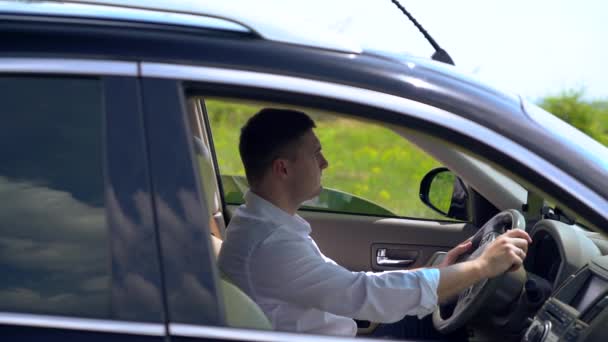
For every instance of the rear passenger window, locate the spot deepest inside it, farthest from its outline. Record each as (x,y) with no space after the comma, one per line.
(54,252)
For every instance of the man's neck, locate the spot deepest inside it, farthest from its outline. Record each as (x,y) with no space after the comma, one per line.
(278,199)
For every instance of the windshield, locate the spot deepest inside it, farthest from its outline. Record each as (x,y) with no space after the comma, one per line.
(591,150)
(584,144)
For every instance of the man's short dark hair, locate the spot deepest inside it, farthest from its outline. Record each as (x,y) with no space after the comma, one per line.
(266,135)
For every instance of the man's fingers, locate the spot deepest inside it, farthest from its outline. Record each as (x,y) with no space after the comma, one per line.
(465,246)
(454,253)
(517,256)
(519,243)
(519,252)
(508,252)
(518,233)
(460,249)
(515,267)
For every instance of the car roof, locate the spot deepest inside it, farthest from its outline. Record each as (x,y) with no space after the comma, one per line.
(220,15)
(223,17)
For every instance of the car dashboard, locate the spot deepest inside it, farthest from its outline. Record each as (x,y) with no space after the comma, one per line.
(558,250)
(578,310)
(571,264)
(544,258)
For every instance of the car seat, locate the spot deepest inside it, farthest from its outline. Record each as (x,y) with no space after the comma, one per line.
(240,310)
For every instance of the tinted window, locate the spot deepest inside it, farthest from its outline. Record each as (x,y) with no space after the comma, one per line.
(53,239)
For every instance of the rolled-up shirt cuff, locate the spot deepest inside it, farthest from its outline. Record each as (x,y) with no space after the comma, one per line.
(429,282)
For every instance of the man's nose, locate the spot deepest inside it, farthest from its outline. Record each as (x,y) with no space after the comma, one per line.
(323,163)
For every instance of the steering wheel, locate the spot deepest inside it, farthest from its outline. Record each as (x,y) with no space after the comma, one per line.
(455,314)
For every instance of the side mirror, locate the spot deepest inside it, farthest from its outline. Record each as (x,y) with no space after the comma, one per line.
(445,193)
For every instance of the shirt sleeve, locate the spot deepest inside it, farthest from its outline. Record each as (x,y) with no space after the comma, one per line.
(294,271)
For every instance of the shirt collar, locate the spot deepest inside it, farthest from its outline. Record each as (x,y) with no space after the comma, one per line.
(271,212)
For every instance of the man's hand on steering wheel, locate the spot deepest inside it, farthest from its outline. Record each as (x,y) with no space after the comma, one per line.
(506,253)
(498,250)
(454,253)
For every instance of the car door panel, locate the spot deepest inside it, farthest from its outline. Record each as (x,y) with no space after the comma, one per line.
(353,241)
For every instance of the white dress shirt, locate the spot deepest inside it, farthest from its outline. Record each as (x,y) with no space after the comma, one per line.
(270,255)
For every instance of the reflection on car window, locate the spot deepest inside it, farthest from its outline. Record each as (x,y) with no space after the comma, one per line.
(53,240)
(372,170)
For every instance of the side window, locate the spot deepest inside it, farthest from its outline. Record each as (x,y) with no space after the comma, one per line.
(372,170)
(54,248)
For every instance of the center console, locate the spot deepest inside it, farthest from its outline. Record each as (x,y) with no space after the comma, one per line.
(578,310)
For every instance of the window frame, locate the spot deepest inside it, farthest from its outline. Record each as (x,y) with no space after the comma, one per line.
(179,206)
(444,125)
(371,207)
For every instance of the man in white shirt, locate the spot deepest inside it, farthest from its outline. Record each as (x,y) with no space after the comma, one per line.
(269,254)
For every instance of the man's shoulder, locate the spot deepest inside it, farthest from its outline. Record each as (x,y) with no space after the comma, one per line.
(247,223)
(249,232)
(247,236)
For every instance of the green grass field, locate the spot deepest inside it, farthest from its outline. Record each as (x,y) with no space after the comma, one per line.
(366,160)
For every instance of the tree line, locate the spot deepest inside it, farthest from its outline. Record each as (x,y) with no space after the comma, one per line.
(589,116)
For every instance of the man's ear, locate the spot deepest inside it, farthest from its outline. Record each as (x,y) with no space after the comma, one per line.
(280,168)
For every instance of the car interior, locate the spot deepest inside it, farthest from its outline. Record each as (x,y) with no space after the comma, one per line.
(564,265)
(240,310)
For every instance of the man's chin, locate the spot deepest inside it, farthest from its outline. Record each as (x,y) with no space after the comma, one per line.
(313,199)
(315,194)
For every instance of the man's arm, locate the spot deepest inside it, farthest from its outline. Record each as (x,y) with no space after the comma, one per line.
(506,253)
(291,270)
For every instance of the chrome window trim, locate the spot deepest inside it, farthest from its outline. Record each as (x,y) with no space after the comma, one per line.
(68,66)
(100,11)
(385,101)
(73,323)
(224,333)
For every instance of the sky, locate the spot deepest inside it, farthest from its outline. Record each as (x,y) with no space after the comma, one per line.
(534,48)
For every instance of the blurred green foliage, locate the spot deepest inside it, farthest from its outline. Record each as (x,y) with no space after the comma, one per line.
(589,116)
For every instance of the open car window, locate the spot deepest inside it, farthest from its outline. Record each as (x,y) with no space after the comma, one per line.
(372,170)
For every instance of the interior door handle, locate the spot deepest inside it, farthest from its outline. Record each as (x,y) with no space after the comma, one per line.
(383,260)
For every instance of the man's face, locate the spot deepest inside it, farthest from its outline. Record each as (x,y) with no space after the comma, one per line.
(306,168)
